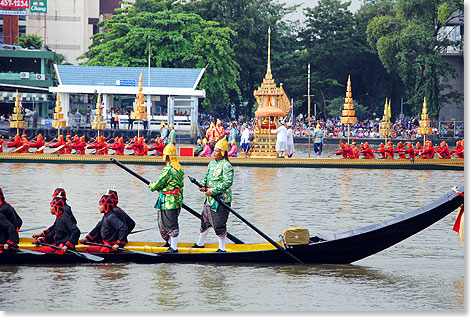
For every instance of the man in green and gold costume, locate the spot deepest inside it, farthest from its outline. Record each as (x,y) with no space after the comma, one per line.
(170,185)
(217,182)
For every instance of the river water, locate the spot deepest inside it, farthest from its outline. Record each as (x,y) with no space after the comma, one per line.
(421,274)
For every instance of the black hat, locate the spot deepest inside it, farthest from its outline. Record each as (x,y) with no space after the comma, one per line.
(58,203)
(107,202)
(60,192)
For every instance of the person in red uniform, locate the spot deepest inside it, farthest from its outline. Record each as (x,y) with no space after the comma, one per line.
(419,148)
(400,149)
(158,147)
(344,150)
(219,131)
(65,233)
(355,150)
(145,149)
(15,143)
(10,224)
(118,146)
(1,143)
(135,146)
(110,230)
(459,150)
(367,152)
(38,144)
(410,151)
(443,150)
(389,151)
(210,133)
(380,150)
(428,152)
(79,145)
(59,145)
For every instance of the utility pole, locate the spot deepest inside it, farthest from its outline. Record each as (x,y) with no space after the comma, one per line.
(308,102)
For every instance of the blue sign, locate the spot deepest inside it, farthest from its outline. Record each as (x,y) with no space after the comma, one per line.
(125,82)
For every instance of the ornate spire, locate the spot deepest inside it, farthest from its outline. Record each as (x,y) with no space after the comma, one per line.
(17,116)
(268,71)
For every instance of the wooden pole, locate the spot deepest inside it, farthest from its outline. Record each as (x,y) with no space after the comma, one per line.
(308,102)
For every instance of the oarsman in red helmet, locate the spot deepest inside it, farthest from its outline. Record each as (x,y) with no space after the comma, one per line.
(158,147)
(410,151)
(110,230)
(79,145)
(10,224)
(443,150)
(1,143)
(130,223)
(38,144)
(58,192)
(380,150)
(389,151)
(118,146)
(400,149)
(65,234)
(419,148)
(367,151)
(355,150)
(15,143)
(59,145)
(459,150)
(428,152)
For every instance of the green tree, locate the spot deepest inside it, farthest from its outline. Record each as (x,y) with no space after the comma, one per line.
(250,19)
(30,41)
(333,48)
(178,39)
(408,44)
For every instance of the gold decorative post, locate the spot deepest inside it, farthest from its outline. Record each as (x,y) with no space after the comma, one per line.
(140,110)
(385,125)
(98,120)
(424,124)
(58,121)
(348,112)
(17,116)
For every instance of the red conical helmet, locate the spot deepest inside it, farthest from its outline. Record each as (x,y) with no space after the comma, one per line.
(58,203)
(107,202)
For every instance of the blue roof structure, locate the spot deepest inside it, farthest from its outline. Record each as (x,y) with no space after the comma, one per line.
(129,76)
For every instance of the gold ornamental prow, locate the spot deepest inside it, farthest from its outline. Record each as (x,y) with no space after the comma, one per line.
(98,123)
(385,127)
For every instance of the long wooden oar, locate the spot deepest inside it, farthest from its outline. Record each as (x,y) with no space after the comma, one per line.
(17,148)
(79,254)
(27,251)
(30,229)
(137,231)
(122,249)
(189,209)
(194,181)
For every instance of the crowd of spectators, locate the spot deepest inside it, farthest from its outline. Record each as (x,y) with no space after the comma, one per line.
(406,128)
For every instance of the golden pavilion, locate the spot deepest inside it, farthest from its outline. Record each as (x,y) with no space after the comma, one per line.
(273,106)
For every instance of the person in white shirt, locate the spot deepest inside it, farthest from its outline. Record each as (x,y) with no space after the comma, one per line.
(245,139)
(290,140)
(281,141)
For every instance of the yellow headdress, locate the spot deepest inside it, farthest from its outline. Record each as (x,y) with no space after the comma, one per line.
(222,145)
(212,125)
(204,141)
(170,151)
(198,141)
(233,142)
(162,124)
(218,121)
(171,125)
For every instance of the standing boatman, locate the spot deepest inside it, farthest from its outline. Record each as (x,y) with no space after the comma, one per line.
(172,134)
(170,185)
(217,182)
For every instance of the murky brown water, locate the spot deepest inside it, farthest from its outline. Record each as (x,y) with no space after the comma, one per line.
(423,273)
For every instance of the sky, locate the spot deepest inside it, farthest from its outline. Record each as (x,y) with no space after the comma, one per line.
(355,4)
